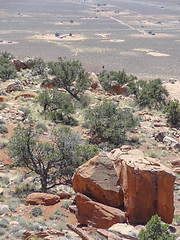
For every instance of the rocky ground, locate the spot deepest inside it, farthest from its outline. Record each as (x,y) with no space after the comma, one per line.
(57,221)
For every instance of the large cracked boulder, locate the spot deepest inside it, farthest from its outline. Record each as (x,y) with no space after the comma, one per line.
(95,214)
(147,186)
(98,179)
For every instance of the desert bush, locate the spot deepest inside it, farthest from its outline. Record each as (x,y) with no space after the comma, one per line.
(66,204)
(39,67)
(42,127)
(61,226)
(153,94)
(109,123)
(36,211)
(2,122)
(66,73)
(54,162)
(3,143)
(106,78)
(3,129)
(172,111)
(155,230)
(7,68)
(4,223)
(4,181)
(59,106)
(3,105)
(13,203)
(26,111)
(2,231)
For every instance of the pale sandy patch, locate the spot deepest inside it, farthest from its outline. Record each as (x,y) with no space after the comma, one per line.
(157,54)
(63,37)
(157,35)
(8,42)
(143,49)
(173,90)
(113,40)
(65,23)
(104,35)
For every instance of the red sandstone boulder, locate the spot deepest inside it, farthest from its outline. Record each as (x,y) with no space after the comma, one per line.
(4,98)
(96,214)
(147,186)
(27,95)
(176,162)
(98,179)
(42,198)
(116,88)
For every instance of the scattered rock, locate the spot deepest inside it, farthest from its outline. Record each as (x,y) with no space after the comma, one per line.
(116,88)
(3,98)
(42,198)
(63,195)
(176,162)
(171,142)
(4,209)
(27,95)
(98,179)
(95,83)
(96,214)
(15,86)
(159,124)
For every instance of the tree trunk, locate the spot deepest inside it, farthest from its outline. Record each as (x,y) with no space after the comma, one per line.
(43,184)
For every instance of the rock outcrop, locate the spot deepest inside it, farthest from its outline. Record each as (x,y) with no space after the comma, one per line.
(95,83)
(143,184)
(42,198)
(96,214)
(147,186)
(27,95)
(15,86)
(3,98)
(116,88)
(98,179)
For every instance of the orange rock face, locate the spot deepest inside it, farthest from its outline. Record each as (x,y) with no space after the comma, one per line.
(27,95)
(95,214)
(3,98)
(42,198)
(98,179)
(147,186)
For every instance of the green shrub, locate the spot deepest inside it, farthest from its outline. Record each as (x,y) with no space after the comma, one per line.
(155,230)
(106,78)
(26,111)
(153,94)
(1,121)
(36,211)
(4,223)
(61,226)
(42,127)
(172,112)
(3,129)
(57,34)
(7,67)
(3,105)
(2,231)
(66,204)
(108,123)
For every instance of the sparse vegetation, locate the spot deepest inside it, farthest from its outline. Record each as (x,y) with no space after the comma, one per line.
(3,129)
(172,111)
(36,211)
(155,230)
(7,68)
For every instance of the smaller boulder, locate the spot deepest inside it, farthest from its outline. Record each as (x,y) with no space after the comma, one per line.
(42,198)
(27,95)
(4,209)
(3,98)
(15,86)
(96,214)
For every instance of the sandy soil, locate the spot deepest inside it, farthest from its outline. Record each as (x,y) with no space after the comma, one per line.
(62,37)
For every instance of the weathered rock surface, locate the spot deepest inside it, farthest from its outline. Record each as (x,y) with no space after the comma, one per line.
(116,88)
(15,86)
(95,214)
(147,186)
(95,83)
(42,198)
(3,98)
(27,95)
(4,209)
(98,179)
